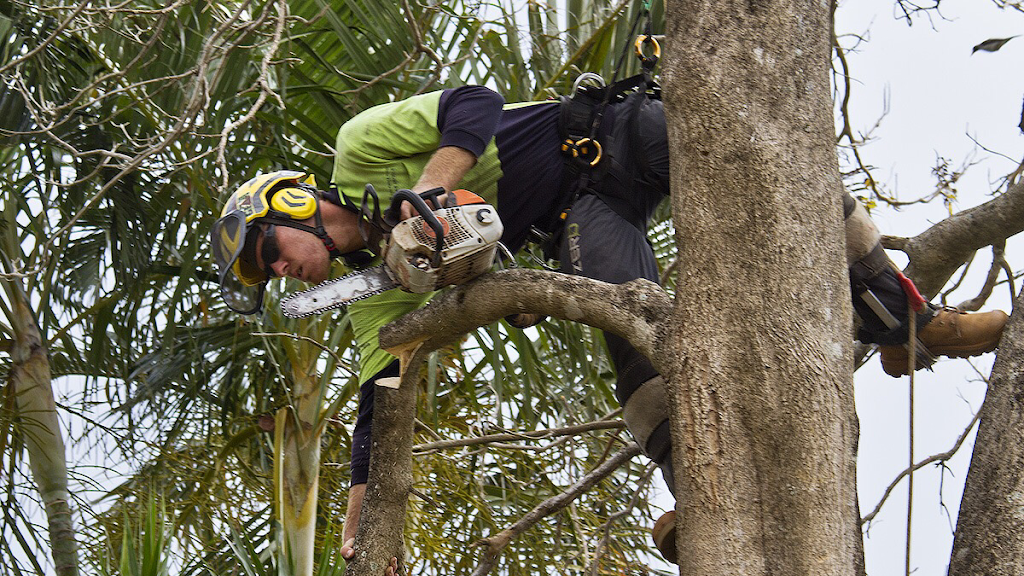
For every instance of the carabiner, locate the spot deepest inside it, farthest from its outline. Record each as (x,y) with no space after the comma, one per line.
(638,47)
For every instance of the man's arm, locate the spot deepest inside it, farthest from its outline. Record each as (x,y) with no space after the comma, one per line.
(355,506)
(445,169)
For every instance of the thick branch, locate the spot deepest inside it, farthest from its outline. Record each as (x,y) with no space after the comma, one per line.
(379,537)
(638,310)
(936,253)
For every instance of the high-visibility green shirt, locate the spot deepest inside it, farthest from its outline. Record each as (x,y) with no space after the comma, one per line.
(389,145)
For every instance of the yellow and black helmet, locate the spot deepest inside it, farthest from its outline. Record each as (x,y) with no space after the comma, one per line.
(285,197)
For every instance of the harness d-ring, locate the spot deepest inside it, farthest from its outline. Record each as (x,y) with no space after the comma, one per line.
(580,151)
(639,49)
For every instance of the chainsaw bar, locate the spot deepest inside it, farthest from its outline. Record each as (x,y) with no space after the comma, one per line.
(338,292)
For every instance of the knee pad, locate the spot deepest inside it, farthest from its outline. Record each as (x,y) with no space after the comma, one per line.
(862,236)
(646,414)
(865,256)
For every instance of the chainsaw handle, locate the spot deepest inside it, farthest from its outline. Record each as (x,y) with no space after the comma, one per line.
(394,211)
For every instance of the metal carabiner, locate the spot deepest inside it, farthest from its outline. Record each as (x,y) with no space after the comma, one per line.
(638,47)
(586,77)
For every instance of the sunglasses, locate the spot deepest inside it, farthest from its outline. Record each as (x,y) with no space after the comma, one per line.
(270,252)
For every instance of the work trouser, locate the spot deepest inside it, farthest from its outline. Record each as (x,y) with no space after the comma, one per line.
(605,238)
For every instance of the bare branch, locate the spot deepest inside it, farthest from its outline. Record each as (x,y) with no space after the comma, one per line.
(495,544)
(606,528)
(929,460)
(535,435)
(998,264)
(936,253)
(635,310)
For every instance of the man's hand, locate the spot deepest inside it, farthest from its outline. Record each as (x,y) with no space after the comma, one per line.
(406,210)
(348,552)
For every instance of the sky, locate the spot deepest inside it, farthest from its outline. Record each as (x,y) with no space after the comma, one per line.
(943,101)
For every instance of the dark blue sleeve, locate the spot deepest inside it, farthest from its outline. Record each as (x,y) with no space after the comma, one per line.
(362,436)
(468,116)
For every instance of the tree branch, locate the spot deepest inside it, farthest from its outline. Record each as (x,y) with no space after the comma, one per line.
(495,544)
(637,310)
(535,435)
(936,253)
(935,458)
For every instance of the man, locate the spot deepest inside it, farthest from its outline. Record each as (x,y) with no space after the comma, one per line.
(592,185)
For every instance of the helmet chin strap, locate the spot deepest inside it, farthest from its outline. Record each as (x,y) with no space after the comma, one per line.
(321,232)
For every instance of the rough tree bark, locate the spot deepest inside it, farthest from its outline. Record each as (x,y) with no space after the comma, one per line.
(639,309)
(989,536)
(764,425)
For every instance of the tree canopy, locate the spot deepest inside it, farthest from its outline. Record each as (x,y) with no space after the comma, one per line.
(122,128)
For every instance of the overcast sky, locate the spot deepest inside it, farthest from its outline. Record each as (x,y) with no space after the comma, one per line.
(940,96)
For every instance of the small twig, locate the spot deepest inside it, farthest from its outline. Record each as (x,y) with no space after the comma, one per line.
(998,265)
(535,435)
(606,528)
(319,345)
(935,458)
(495,544)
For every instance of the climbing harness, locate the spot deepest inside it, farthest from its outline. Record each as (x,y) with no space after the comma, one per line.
(580,122)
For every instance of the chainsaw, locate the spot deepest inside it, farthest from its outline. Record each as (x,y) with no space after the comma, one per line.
(442,246)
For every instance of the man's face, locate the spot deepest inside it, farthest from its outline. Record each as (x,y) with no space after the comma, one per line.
(292,252)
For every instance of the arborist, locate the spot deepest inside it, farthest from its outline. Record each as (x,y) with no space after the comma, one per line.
(582,176)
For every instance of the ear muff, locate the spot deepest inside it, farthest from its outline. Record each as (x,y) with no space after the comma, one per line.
(297,203)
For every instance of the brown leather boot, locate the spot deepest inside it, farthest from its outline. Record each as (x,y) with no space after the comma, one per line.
(664,533)
(949,333)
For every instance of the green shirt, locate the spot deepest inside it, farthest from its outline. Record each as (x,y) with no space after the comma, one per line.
(388,146)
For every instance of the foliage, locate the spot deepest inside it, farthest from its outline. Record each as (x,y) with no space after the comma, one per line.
(121,128)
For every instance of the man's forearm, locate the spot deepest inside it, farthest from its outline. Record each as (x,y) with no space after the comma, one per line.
(355,505)
(445,169)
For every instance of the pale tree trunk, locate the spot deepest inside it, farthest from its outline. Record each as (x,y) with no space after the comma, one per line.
(379,536)
(764,425)
(989,535)
(40,428)
(296,477)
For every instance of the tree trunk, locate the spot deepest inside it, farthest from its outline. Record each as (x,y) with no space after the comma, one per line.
(379,537)
(989,535)
(296,478)
(40,428)
(764,426)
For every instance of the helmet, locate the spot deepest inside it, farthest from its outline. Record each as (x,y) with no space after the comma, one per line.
(285,197)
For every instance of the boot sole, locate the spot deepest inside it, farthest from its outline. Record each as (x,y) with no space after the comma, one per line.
(899,363)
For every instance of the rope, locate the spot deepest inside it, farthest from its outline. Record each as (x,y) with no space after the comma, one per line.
(911,365)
